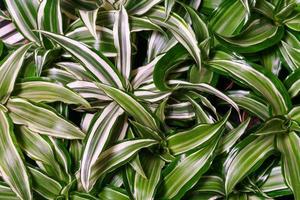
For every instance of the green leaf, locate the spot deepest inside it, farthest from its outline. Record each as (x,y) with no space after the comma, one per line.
(228,141)
(44,185)
(9,71)
(140,7)
(103,43)
(259,35)
(112,193)
(166,63)
(131,106)
(199,26)
(250,102)
(203,87)
(146,188)
(42,120)
(275,184)
(256,150)
(288,145)
(115,157)
(42,91)
(99,66)
(6,193)
(229,17)
(169,4)
(293,22)
(180,30)
(292,82)
(195,138)
(187,172)
(89,19)
(49,17)
(265,83)
(145,132)
(24,14)
(210,183)
(275,125)
(39,149)
(122,42)
(12,168)
(99,134)
(289,50)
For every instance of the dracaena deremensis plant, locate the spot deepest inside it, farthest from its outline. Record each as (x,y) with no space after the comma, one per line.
(149,99)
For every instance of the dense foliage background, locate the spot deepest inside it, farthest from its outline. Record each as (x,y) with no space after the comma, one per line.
(149,99)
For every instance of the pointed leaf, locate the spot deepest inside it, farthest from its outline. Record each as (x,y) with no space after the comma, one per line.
(42,120)
(116,156)
(9,71)
(12,168)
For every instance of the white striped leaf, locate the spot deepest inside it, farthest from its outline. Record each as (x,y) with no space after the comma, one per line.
(203,87)
(24,14)
(82,196)
(76,69)
(195,138)
(98,139)
(289,50)
(113,193)
(99,66)
(6,193)
(229,17)
(179,28)
(201,115)
(228,141)
(88,90)
(42,120)
(249,101)
(236,167)
(187,172)
(295,114)
(9,71)
(292,83)
(44,185)
(116,156)
(288,145)
(266,84)
(169,4)
(42,91)
(12,168)
(140,7)
(144,189)
(39,149)
(89,19)
(145,132)
(49,18)
(275,184)
(131,106)
(103,42)
(259,35)
(210,183)
(43,58)
(122,42)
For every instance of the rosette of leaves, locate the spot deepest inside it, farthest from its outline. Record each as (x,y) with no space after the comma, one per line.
(132,99)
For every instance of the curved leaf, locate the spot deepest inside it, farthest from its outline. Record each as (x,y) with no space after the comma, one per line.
(116,156)
(9,71)
(195,138)
(289,145)
(12,168)
(130,105)
(100,67)
(245,158)
(42,91)
(24,14)
(42,120)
